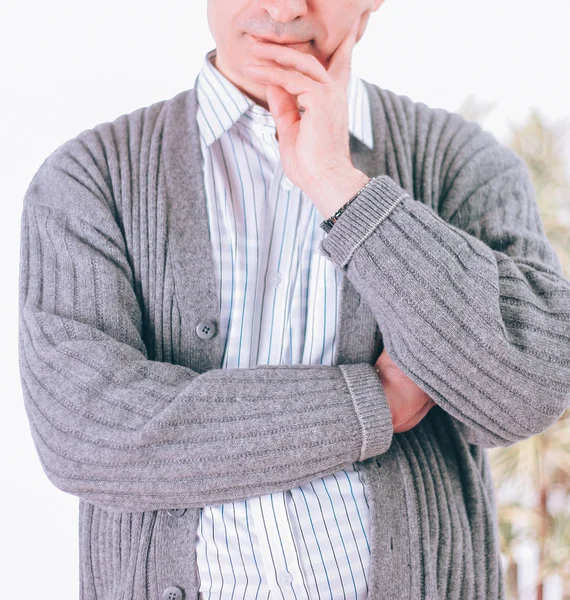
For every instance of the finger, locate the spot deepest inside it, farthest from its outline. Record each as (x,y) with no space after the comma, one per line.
(293,81)
(283,107)
(289,57)
(339,64)
(417,416)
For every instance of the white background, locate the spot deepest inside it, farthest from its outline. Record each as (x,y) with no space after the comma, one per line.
(66,66)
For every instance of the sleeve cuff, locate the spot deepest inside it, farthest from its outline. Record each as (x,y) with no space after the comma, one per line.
(360,218)
(371,408)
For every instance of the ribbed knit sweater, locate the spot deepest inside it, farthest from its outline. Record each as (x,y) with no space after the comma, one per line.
(447,267)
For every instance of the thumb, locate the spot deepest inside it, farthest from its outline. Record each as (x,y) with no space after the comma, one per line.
(340,62)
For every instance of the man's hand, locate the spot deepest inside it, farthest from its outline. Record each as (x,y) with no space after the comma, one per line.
(408,403)
(314,147)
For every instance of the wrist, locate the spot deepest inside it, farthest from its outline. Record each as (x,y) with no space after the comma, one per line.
(336,190)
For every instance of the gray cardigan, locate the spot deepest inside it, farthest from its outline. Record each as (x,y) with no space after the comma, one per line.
(447,266)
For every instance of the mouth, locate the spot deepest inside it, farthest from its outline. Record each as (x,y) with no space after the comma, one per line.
(290,44)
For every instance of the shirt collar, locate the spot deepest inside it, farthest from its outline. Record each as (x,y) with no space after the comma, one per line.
(221,105)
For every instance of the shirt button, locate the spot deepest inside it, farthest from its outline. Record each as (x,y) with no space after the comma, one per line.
(287,183)
(284,578)
(205,330)
(275,278)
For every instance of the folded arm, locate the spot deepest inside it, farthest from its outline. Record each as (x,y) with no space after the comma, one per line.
(129,433)
(471,300)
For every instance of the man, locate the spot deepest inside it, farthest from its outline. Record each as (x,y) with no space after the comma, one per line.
(269,327)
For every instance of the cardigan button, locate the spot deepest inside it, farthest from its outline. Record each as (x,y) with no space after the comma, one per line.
(206,330)
(172,593)
(176,512)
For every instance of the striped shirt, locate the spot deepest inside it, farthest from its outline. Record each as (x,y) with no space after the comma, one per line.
(279,300)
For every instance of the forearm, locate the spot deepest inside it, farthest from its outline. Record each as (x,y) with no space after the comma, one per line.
(459,318)
(130,433)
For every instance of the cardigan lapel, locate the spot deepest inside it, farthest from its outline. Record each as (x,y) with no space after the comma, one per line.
(188,233)
(359,338)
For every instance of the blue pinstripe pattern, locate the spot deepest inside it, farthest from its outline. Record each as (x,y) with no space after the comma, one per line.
(279,300)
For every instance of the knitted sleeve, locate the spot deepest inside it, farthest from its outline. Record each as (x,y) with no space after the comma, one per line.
(129,433)
(470,298)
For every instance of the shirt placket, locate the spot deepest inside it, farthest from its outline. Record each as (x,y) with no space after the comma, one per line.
(270,519)
(264,127)
(283,573)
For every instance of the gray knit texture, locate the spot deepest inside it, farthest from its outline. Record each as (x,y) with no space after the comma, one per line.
(448,268)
